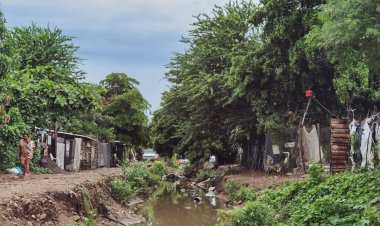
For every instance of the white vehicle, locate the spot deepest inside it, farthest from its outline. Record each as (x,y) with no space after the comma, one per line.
(149,154)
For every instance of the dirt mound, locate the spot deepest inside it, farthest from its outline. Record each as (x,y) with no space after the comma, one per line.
(67,207)
(53,167)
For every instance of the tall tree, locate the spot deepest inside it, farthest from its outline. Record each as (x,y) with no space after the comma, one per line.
(126,109)
(349,31)
(34,46)
(5,56)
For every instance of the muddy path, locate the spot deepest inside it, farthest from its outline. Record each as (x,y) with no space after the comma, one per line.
(12,186)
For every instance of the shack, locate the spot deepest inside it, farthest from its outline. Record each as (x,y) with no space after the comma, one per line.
(71,152)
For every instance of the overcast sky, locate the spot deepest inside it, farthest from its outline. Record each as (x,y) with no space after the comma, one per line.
(137,37)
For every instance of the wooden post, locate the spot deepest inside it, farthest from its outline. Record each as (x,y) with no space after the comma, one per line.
(319,143)
(55,137)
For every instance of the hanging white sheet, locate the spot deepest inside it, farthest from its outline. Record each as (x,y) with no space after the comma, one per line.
(311,146)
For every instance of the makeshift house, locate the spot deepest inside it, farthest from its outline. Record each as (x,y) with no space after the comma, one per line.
(89,153)
(104,154)
(296,148)
(278,148)
(71,152)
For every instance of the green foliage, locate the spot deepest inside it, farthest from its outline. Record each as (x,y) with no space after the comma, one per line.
(39,170)
(354,52)
(342,199)
(173,162)
(246,193)
(137,179)
(34,46)
(123,190)
(159,168)
(238,193)
(253,214)
(316,173)
(9,137)
(188,170)
(203,174)
(88,209)
(56,93)
(125,109)
(233,83)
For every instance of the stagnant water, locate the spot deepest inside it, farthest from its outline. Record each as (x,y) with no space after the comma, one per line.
(175,208)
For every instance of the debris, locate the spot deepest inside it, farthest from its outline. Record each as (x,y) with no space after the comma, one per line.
(198,200)
(43,216)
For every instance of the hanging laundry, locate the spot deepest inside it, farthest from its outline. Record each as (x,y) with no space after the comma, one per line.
(377,132)
(355,136)
(366,143)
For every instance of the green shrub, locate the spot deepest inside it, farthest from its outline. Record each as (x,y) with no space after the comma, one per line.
(203,174)
(136,179)
(188,170)
(252,214)
(138,175)
(342,199)
(123,190)
(9,137)
(238,192)
(89,212)
(246,193)
(231,188)
(316,173)
(39,170)
(173,162)
(159,168)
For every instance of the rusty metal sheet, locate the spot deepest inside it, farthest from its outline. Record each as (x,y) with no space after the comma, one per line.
(339,145)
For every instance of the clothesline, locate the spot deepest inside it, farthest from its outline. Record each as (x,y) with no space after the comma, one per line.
(332,114)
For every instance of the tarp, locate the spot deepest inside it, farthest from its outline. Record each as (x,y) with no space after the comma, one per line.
(311,146)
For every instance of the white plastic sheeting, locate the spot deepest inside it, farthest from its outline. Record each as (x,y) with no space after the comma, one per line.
(366,143)
(311,146)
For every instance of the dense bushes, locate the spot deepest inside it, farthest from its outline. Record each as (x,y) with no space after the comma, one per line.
(137,179)
(238,193)
(343,199)
(10,134)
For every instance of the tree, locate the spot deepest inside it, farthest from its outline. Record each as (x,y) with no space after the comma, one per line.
(126,109)
(243,75)
(49,95)
(5,57)
(198,104)
(349,32)
(118,83)
(34,46)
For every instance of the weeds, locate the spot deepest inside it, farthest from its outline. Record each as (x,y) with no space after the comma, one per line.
(342,199)
(137,179)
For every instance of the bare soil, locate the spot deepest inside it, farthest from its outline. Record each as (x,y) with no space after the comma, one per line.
(11,186)
(258,179)
(57,199)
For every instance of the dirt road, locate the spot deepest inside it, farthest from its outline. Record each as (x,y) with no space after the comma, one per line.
(11,186)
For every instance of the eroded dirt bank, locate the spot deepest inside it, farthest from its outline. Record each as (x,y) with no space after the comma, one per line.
(59,199)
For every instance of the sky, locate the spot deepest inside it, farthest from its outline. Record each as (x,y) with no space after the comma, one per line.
(136,37)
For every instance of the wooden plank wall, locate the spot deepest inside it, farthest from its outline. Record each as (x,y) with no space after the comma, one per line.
(340,143)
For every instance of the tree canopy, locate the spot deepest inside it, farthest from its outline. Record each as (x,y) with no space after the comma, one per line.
(243,75)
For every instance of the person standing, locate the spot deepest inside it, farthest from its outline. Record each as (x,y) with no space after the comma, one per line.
(25,152)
